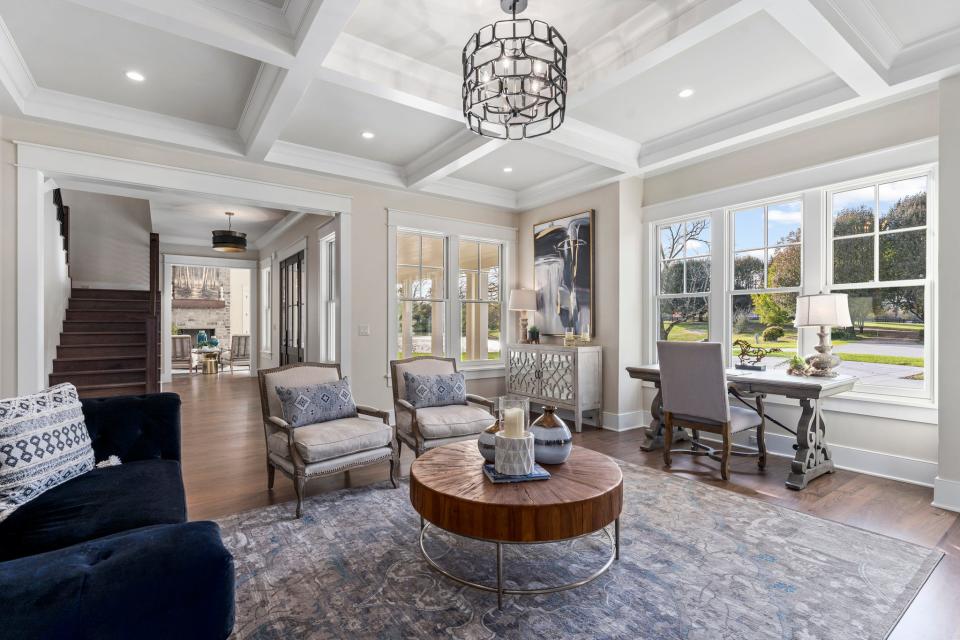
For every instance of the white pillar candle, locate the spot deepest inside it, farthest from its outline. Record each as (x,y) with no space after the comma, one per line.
(513,422)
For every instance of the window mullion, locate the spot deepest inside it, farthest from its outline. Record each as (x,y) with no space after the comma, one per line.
(452,306)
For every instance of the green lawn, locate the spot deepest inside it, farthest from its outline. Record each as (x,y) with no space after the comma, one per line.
(689,332)
(900,326)
(903,361)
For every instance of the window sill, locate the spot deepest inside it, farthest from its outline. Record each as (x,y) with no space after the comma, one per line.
(481,371)
(888,407)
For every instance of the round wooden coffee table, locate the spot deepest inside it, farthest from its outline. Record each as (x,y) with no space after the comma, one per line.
(583,496)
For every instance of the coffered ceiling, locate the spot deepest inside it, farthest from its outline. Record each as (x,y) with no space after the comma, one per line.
(299,82)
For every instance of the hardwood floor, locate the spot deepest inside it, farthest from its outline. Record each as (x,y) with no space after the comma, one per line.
(225,472)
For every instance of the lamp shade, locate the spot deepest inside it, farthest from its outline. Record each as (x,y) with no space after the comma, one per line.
(823,310)
(523,300)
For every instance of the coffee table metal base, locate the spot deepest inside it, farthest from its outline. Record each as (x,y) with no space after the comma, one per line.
(613,539)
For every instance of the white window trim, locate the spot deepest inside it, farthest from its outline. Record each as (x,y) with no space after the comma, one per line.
(327,248)
(655,287)
(452,229)
(927,396)
(917,158)
(730,258)
(266,307)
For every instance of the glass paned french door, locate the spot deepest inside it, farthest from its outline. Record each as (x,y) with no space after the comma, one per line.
(292,309)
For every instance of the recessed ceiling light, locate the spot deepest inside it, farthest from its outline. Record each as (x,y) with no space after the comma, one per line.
(686,93)
(136,76)
(368,135)
(508,169)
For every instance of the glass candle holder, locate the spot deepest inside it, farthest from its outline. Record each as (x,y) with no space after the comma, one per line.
(514,416)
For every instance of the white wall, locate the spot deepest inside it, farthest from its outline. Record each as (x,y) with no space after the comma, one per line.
(109,241)
(8,265)
(889,439)
(368,280)
(605,202)
(239,302)
(947,488)
(56,287)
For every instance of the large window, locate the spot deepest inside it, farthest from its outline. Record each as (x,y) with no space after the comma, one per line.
(479,291)
(869,238)
(421,294)
(767,275)
(434,316)
(879,257)
(683,277)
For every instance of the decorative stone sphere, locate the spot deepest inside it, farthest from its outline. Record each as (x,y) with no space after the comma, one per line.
(552,440)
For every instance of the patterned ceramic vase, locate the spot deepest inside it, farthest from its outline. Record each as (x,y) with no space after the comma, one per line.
(514,455)
(487,442)
(552,440)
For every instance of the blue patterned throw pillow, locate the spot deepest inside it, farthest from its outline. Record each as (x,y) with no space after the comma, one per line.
(43,442)
(438,390)
(317,403)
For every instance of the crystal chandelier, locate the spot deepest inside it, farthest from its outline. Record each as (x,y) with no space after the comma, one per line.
(515,77)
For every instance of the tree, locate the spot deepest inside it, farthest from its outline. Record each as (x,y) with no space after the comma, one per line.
(673,242)
(861,308)
(771,312)
(903,256)
(747,272)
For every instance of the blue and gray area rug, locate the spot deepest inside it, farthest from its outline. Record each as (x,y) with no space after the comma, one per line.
(696,563)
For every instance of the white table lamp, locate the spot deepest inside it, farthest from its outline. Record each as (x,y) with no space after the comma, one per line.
(523,300)
(823,310)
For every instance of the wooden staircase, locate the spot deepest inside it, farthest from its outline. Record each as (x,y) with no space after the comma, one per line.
(110,342)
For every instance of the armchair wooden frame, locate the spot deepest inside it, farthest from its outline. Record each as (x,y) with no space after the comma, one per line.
(272,424)
(728,448)
(415,439)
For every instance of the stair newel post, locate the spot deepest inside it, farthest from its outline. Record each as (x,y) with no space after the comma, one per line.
(152,320)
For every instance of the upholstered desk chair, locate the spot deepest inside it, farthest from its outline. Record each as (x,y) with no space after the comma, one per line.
(238,353)
(325,448)
(428,427)
(181,352)
(693,382)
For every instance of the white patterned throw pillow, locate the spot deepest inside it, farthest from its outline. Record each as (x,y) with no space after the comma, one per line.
(435,390)
(43,442)
(317,403)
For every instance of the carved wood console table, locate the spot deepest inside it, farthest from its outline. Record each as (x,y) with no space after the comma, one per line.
(813,457)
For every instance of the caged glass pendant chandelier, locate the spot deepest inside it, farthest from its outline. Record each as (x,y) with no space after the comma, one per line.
(515,77)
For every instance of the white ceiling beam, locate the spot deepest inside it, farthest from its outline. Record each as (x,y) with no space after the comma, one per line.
(473,192)
(566,185)
(812,28)
(633,47)
(282,90)
(455,153)
(769,127)
(248,36)
(369,68)
(592,144)
(336,164)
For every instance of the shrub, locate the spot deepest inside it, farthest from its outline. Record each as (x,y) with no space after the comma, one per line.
(741,322)
(772,334)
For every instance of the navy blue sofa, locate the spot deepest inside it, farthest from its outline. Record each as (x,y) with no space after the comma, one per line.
(110,554)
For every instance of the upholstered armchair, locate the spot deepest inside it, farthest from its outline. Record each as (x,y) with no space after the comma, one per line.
(181,352)
(238,353)
(325,448)
(428,427)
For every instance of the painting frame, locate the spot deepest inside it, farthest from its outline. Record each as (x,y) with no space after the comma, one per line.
(551,324)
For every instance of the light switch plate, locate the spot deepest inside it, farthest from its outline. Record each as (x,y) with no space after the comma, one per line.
(363,329)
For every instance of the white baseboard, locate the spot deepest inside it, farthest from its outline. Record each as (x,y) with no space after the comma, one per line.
(946,494)
(872,463)
(625,421)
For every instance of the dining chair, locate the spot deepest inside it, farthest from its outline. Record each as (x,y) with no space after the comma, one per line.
(693,383)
